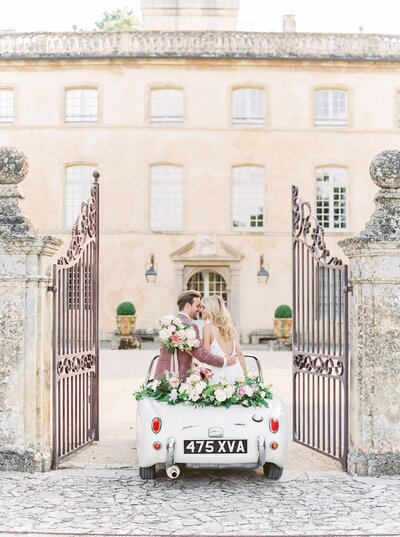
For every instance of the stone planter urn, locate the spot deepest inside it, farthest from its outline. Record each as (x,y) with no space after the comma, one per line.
(283,322)
(126,319)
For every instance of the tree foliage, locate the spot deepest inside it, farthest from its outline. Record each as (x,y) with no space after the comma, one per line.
(119,19)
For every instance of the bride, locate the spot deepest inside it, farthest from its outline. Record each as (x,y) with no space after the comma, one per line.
(219,337)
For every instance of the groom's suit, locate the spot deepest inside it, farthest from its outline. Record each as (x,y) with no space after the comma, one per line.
(185,360)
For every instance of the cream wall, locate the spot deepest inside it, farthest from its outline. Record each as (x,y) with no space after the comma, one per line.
(123,145)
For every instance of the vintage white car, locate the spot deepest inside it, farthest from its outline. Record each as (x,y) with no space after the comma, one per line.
(210,437)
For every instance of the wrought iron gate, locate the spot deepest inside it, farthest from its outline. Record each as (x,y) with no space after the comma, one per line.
(320,338)
(75,335)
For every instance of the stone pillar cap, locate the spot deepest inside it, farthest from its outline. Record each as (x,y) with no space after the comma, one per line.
(14,165)
(385,169)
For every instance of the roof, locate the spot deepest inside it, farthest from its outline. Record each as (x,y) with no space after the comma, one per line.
(234,45)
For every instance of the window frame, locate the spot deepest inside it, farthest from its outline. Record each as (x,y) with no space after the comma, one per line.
(165,121)
(13,91)
(331,121)
(182,213)
(248,228)
(65,226)
(248,123)
(81,122)
(331,186)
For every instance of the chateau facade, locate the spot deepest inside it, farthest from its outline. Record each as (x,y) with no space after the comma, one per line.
(198,137)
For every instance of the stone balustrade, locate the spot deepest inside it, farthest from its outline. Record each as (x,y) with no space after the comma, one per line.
(75,45)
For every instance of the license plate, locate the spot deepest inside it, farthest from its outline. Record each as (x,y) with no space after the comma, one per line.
(222,447)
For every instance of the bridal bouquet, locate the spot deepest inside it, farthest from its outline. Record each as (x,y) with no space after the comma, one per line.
(198,391)
(174,334)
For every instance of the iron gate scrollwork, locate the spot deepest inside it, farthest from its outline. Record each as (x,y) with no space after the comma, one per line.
(320,338)
(75,335)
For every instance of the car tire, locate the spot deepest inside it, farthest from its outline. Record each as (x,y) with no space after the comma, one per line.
(272,471)
(147,473)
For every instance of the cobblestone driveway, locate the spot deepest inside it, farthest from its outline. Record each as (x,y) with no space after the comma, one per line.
(117,502)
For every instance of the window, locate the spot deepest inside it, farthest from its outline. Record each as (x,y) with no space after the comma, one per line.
(209,283)
(398,110)
(331,108)
(166,106)
(78,180)
(248,198)
(248,106)
(6,106)
(81,106)
(332,198)
(166,212)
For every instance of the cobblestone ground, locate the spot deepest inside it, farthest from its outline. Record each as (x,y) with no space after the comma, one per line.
(117,502)
(98,490)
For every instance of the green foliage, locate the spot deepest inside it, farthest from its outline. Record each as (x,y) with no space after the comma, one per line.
(119,19)
(126,308)
(197,391)
(283,312)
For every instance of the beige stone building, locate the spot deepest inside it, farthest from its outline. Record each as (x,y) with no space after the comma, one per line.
(198,137)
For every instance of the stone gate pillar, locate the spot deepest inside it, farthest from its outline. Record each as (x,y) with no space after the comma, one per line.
(25,335)
(375,328)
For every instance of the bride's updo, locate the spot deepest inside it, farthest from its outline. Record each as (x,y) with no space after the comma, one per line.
(219,315)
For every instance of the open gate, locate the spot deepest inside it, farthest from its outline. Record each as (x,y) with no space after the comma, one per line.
(320,338)
(75,335)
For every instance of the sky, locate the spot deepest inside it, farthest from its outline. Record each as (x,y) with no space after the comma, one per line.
(254,15)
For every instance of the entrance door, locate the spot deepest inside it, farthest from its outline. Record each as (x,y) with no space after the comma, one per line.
(209,283)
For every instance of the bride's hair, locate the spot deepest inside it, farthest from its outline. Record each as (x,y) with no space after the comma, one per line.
(219,315)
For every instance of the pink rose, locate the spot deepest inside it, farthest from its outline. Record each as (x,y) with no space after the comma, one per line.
(175,339)
(241,391)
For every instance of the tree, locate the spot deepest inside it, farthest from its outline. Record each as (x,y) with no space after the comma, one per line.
(119,19)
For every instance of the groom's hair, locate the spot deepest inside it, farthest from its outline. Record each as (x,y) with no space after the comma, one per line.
(186,297)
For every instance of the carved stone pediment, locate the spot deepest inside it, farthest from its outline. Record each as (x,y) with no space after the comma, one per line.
(207,248)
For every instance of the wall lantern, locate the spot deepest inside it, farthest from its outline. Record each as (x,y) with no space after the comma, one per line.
(151,273)
(263,273)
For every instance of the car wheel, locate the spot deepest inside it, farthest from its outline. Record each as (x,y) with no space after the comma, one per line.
(148,473)
(272,471)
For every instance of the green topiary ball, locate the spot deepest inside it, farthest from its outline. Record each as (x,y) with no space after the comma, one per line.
(283,312)
(126,308)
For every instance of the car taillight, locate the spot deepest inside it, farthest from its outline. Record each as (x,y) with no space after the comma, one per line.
(156,425)
(157,446)
(274,425)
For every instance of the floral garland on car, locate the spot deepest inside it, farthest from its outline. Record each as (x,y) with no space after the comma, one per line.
(198,391)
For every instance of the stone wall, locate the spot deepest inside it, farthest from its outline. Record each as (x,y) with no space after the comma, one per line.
(25,335)
(374,443)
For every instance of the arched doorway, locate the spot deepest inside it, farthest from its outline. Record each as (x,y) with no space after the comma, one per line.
(209,283)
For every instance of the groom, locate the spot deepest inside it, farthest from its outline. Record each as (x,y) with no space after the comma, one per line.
(189,305)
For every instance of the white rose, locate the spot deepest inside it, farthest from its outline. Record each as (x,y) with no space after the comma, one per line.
(181,334)
(249,391)
(171,329)
(253,374)
(154,385)
(194,378)
(194,396)
(167,320)
(178,323)
(184,387)
(191,334)
(200,386)
(164,334)
(220,395)
(229,390)
(240,378)
(245,403)
(173,396)
(262,394)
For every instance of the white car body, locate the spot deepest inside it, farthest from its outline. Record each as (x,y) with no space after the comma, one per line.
(210,434)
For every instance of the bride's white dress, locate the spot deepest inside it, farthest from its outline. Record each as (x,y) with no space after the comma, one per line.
(229,372)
